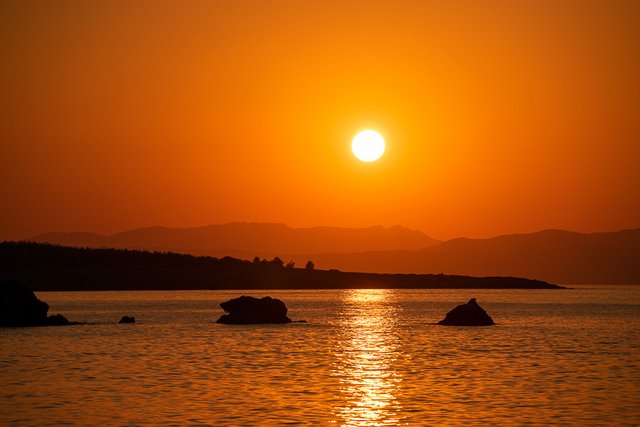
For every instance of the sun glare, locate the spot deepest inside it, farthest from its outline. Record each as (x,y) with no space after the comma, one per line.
(368,145)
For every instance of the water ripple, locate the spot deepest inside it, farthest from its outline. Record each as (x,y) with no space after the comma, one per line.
(366,358)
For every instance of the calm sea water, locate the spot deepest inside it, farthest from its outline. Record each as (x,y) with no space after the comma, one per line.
(365,358)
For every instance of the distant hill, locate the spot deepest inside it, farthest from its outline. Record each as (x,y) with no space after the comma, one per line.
(552,255)
(246,240)
(45,267)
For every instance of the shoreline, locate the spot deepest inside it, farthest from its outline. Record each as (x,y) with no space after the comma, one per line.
(46,267)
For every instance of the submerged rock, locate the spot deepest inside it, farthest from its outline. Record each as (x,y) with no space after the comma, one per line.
(249,310)
(19,306)
(469,314)
(127,319)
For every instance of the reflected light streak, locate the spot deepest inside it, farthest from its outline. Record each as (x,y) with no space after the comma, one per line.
(367,349)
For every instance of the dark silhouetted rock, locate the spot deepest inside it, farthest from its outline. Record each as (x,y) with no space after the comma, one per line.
(127,319)
(20,307)
(249,310)
(469,314)
(57,320)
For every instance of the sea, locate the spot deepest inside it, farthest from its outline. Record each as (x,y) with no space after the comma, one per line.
(364,358)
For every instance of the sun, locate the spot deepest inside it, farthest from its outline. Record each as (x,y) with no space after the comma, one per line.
(368,145)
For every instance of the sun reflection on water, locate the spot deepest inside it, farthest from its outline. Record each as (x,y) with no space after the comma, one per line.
(367,350)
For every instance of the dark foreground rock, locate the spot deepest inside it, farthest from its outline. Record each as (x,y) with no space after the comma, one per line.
(469,314)
(249,310)
(19,306)
(127,319)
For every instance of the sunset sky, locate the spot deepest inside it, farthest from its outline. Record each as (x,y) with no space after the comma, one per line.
(498,116)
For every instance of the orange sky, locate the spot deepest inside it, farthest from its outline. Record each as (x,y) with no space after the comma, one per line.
(499,117)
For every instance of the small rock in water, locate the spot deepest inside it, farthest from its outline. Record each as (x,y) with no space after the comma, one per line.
(249,310)
(127,319)
(469,314)
(57,320)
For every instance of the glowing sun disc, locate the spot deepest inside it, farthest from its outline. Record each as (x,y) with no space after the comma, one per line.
(368,145)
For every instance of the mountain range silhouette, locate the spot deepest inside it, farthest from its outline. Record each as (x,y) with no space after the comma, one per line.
(556,256)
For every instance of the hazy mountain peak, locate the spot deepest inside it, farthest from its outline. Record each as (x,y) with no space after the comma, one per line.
(248,239)
(558,256)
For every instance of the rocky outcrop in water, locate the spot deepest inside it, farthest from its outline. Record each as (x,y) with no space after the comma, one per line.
(469,314)
(127,319)
(57,320)
(19,306)
(249,310)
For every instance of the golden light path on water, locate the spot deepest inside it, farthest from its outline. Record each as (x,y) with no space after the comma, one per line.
(368,348)
(365,358)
